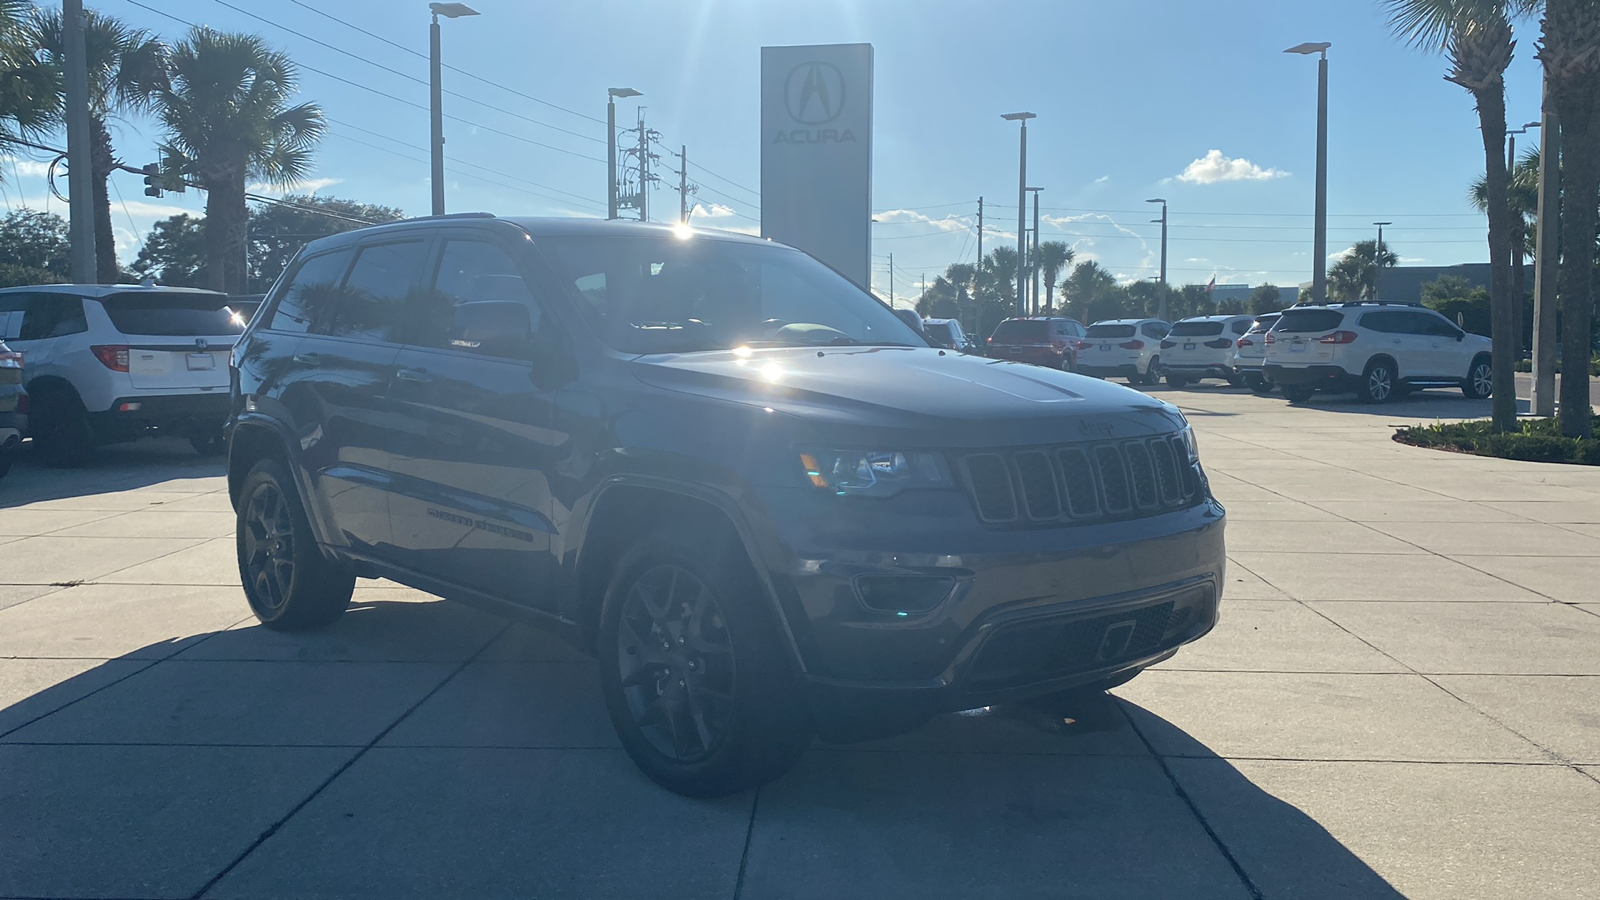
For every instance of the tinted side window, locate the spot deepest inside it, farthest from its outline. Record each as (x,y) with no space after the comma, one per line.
(1438,326)
(1417,323)
(1383,322)
(1241,327)
(373,302)
(479,303)
(1154,330)
(52,315)
(309,291)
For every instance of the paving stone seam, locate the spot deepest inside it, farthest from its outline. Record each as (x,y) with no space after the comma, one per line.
(116,681)
(317,791)
(749,834)
(1194,809)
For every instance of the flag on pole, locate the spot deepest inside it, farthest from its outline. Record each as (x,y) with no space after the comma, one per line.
(1211,286)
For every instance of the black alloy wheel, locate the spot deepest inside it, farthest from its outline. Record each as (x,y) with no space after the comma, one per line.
(676,663)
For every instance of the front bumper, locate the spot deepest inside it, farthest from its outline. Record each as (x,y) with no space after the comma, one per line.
(1324,377)
(1028,611)
(188,414)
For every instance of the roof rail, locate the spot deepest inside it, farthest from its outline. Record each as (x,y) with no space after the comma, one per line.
(459,215)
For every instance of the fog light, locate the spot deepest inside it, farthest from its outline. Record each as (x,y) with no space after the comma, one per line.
(903,594)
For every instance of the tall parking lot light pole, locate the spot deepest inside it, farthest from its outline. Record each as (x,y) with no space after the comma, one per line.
(611,145)
(435,98)
(1319,241)
(1163,220)
(1377,260)
(1033,256)
(1022,205)
(1544,264)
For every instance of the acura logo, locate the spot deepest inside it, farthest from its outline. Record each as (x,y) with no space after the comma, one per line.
(814,93)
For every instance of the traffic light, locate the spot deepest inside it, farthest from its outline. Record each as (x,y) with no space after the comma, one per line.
(152,180)
(172,173)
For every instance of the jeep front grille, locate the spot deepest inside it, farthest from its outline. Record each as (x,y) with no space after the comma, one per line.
(1081,482)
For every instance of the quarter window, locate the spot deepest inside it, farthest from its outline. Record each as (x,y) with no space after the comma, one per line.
(312,289)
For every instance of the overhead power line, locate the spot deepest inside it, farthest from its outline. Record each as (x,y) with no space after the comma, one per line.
(455,69)
(405,75)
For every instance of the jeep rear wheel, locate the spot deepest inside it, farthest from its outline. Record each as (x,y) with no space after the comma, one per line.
(694,670)
(289,584)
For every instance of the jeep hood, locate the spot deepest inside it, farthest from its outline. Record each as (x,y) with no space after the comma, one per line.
(967,397)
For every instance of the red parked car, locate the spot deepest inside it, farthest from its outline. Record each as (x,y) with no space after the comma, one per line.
(1045,340)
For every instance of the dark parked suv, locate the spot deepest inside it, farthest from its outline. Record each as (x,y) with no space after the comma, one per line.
(763,501)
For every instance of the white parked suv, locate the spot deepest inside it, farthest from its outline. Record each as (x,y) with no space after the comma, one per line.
(108,363)
(1250,353)
(1127,348)
(1202,347)
(1375,349)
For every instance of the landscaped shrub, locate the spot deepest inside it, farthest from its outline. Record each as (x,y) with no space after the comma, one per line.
(1539,440)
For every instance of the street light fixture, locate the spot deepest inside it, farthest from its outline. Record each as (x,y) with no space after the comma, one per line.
(1511,146)
(1022,203)
(435,92)
(611,145)
(1377,260)
(1162,314)
(1319,250)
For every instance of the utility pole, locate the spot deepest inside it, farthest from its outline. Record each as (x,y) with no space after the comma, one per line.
(683,185)
(611,145)
(891,280)
(80,180)
(1377,260)
(1033,264)
(980,231)
(1162,304)
(1545,302)
(644,170)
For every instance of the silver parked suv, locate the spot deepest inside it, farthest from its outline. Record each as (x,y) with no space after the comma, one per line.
(108,363)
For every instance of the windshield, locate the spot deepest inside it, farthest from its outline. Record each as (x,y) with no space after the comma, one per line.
(175,314)
(1196,329)
(1109,331)
(1018,331)
(668,295)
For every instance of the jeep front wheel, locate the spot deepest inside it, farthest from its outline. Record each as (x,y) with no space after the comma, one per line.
(289,584)
(695,674)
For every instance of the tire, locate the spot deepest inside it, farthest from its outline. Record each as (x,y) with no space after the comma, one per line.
(1235,379)
(60,426)
(290,585)
(695,673)
(209,445)
(1177,381)
(1378,382)
(1152,372)
(1299,393)
(1479,383)
(1258,383)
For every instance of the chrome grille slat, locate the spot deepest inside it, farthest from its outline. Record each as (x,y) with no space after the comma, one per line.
(1081,483)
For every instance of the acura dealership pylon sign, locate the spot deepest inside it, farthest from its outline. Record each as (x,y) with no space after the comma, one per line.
(816,152)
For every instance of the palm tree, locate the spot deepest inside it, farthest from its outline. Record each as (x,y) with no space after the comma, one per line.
(1053,257)
(1570,51)
(1523,195)
(225,105)
(1353,277)
(125,64)
(24,86)
(1475,36)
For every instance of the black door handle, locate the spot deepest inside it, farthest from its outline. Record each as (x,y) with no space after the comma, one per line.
(308,359)
(417,376)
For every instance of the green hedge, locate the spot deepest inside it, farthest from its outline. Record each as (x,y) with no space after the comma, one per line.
(1526,365)
(1540,440)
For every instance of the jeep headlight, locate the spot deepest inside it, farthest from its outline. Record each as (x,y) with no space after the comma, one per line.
(874,473)
(1189,442)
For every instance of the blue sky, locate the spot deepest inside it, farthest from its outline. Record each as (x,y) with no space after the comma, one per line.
(1136,99)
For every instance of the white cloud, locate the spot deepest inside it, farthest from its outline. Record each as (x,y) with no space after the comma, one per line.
(1214,167)
(713,211)
(1101,180)
(308,186)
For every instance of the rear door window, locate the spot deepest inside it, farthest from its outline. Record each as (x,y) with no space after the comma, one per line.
(36,316)
(1019,331)
(381,285)
(1110,331)
(1305,321)
(1386,322)
(1242,326)
(171,315)
(310,291)
(1197,329)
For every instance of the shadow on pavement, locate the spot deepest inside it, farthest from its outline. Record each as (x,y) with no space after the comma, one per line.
(426,749)
(114,467)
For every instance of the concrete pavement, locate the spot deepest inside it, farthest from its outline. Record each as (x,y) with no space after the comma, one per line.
(1399,702)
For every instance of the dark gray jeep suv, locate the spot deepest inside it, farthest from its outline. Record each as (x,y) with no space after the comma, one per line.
(763,501)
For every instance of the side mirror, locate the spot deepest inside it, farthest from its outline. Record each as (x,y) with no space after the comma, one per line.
(494,327)
(1461,336)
